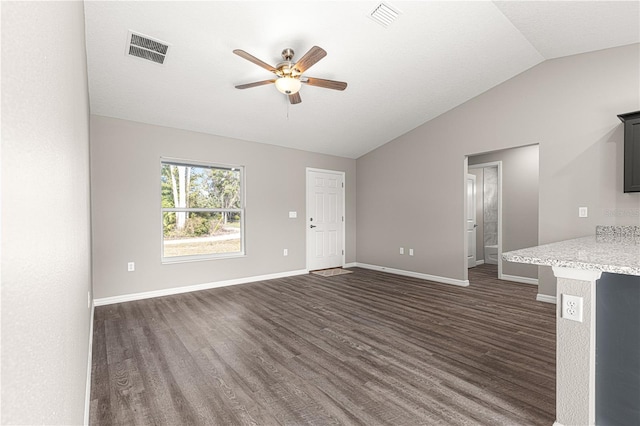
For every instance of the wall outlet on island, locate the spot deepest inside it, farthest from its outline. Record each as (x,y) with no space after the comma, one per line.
(572,307)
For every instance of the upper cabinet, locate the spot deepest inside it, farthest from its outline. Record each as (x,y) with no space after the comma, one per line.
(631,122)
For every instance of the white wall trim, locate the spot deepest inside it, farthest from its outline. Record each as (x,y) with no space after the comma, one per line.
(87,396)
(196,287)
(519,279)
(547,299)
(435,278)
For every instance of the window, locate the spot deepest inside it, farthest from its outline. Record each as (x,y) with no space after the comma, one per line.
(202,211)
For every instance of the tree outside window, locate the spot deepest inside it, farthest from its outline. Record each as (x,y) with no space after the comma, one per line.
(202,211)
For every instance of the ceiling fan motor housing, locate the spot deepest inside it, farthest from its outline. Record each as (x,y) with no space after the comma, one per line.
(287,54)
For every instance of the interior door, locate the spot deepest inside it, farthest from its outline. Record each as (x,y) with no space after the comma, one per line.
(325,219)
(471,224)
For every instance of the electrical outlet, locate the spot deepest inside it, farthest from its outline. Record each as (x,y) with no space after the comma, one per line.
(410,252)
(572,307)
(285,252)
(401,250)
(131,266)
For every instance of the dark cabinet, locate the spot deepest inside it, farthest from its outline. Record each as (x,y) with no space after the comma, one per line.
(618,350)
(631,122)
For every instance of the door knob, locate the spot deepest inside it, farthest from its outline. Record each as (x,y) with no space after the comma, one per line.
(312,226)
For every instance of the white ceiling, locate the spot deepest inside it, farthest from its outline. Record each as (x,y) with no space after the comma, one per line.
(435,56)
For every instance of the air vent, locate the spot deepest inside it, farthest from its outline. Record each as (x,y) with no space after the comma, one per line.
(147,48)
(384,14)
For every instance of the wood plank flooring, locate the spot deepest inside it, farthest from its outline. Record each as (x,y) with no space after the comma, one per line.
(366,348)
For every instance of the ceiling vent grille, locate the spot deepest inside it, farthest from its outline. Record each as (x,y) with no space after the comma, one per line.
(384,14)
(145,47)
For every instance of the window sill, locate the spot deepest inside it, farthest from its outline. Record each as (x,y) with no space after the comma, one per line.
(189,259)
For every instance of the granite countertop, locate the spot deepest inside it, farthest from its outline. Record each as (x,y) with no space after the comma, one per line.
(607,251)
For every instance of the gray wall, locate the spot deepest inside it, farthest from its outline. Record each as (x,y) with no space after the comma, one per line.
(125,179)
(519,202)
(567,105)
(45,213)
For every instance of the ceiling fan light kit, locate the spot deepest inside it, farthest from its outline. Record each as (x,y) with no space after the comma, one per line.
(288,85)
(289,79)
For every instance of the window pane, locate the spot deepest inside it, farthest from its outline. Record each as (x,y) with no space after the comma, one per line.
(168,186)
(185,186)
(215,188)
(201,233)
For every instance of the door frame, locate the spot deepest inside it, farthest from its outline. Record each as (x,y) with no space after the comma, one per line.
(471,176)
(497,164)
(306,212)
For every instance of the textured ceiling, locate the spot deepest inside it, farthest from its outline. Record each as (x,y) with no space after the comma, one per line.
(435,56)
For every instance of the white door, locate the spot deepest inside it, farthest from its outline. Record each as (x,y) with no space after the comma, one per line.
(325,219)
(471,221)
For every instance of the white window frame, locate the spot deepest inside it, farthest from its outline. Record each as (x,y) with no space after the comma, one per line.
(241,210)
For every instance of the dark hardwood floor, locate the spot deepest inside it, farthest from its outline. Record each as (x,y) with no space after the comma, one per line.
(366,348)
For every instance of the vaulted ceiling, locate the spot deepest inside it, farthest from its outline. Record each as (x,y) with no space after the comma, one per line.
(433,57)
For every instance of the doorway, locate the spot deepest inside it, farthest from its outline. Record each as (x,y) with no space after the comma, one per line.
(325,219)
(488,209)
(506,179)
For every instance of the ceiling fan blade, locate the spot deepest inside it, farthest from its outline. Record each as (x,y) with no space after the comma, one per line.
(255,60)
(257,83)
(327,84)
(295,98)
(311,57)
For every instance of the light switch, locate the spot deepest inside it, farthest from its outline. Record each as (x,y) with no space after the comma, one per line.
(293,215)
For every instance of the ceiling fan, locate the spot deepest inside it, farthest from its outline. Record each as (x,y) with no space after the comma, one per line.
(289,78)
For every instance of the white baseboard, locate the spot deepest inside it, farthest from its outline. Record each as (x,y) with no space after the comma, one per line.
(435,278)
(87,397)
(189,288)
(518,279)
(547,299)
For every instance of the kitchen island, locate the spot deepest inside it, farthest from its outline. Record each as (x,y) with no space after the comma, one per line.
(597,358)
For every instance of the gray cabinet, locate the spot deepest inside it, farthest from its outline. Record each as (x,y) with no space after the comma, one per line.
(618,350)
(631,122)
